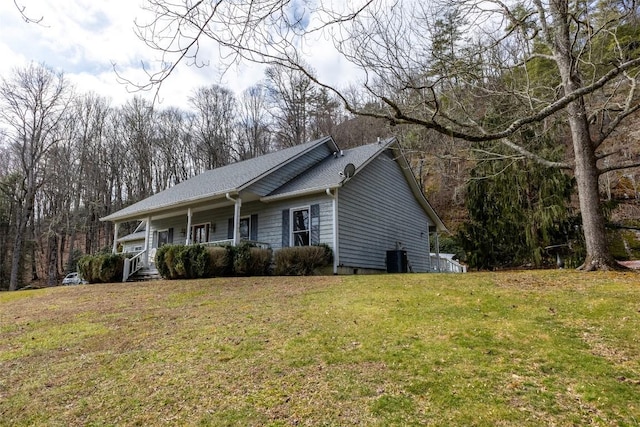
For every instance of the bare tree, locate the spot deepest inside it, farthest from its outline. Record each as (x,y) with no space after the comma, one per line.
(89,176)
(9,182)
(254,135)
(556,61)
(290,93)
(33,104)
(136,121)
(214,123)
(325,114)
(173,161)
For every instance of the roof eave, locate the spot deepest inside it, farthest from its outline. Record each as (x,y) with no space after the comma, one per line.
(300,193)
(182,204)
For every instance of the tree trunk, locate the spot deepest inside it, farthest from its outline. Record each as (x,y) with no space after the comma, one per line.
(585,169)
(586,174)
(23,215)
(18,244)
(52,258)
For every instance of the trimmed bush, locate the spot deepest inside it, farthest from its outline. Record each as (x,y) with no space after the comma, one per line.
(101,268)
(161,261)
(182,262)
(220,261)
(251,261)
(302,260)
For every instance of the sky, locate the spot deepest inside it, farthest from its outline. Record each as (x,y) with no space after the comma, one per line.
(85,38)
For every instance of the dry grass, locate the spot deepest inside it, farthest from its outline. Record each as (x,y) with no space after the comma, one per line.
(528,348)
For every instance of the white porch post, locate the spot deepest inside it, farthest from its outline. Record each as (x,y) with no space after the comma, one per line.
(438,250)
(146,242)
(236,217)
(236,222)
(189,215)
(115,237)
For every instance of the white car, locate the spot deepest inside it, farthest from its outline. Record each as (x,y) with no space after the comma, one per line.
(73,279)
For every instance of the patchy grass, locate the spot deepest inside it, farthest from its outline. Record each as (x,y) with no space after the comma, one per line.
(517,348)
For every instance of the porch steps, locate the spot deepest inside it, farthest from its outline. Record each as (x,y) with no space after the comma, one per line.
(145,275)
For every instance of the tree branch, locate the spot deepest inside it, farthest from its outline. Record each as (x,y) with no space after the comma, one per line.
(620,166)
(26,18)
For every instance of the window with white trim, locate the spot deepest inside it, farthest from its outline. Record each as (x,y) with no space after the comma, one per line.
(163,237)
(200,233)
(245,228)
(300,230)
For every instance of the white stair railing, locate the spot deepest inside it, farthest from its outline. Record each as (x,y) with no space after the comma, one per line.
(132,265)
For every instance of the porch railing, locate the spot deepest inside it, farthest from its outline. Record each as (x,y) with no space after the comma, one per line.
(229,242)
(133,265)
(447,265)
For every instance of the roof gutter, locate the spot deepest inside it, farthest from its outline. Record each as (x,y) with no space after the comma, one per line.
(300,193)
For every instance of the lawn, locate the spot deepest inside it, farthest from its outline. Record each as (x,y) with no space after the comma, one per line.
(512,349)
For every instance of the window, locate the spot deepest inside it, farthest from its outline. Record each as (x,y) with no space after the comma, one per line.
(300,227)
(245,228)
(200,233)
(163,237)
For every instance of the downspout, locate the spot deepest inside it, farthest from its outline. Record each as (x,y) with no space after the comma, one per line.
(334,198)
(115,237)
(189,215)
(236,218)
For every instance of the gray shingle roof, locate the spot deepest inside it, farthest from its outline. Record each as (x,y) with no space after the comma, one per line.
(138,235)
(214,182)
(326,174)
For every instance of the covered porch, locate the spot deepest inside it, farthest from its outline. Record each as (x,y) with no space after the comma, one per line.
(216,223)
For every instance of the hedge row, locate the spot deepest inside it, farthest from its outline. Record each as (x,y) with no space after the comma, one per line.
(101,268)
(196,261)
(302,260)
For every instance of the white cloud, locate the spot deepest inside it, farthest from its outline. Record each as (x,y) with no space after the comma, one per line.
(84,38)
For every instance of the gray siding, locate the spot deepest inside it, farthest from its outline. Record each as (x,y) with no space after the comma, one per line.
(286,173)
(377,210)
(270,219)
(133,246)
(178,223)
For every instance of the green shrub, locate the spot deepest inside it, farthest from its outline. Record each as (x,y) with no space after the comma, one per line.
(220,261)
(302,260)
(161,261)
(251,261)
(101,268)
(183,262)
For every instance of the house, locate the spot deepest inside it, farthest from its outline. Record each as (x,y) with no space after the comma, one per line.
(364,203)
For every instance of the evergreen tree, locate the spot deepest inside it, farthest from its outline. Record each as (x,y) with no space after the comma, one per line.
(516,209)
